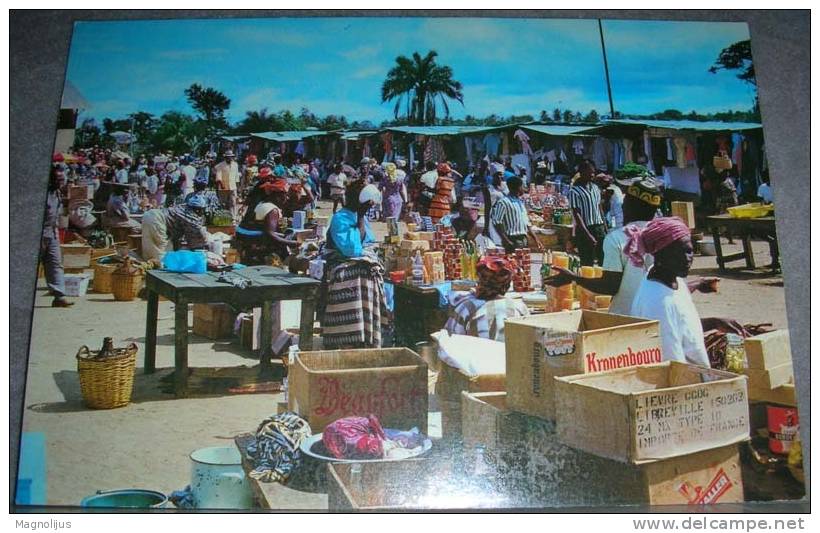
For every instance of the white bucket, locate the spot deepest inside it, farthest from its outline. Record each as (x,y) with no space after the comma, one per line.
(218,481)
(707,247)
(76,284)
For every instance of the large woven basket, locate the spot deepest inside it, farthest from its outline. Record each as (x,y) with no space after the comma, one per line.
(107,383)
(125,287)
(102,277)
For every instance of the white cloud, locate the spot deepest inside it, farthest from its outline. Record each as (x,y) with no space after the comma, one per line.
(370,71)
(362,52)
(256,100)
(483,100)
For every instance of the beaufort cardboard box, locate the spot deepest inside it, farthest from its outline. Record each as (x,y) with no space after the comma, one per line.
(770,378)
(541,347)
(647,413)
(390,383)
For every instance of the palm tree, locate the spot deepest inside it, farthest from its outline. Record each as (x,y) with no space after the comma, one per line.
(255,122)
(418,85)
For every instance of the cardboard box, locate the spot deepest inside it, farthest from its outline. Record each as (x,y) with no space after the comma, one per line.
(783,395)
(685,211)
(247,337)
(213,321)
(390,383)
(428,236)
(411,246)
(451,383)
(768,350)
(540,471)
(771,378)
(541,347)
(647,413)
(80,192)
(76,255)
(76,284)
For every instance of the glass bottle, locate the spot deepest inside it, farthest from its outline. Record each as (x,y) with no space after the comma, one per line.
(107,349)
(735,353)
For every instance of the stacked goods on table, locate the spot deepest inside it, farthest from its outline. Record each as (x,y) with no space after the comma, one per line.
(391,383)
(541,347)
(453,249)
(434,266)
(558,298)
(588,299)
(214,321)
(770,371)
(522,278)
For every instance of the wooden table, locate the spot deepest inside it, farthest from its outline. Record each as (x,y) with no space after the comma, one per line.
(743,227)
(268,284)
(273,495)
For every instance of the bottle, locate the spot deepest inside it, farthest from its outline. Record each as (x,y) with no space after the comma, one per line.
(107,349)
(735,353)
(418,270)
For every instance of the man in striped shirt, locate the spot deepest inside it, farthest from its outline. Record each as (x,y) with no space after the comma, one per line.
(589,230)
(510,220)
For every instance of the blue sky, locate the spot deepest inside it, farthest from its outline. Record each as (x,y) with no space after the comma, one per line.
(337,65)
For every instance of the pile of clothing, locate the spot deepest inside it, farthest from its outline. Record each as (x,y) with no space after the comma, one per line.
(358,437)
(275,453)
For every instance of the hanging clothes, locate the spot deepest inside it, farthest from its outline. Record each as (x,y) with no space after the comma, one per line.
(737,152)
(505,144)
(300,148)
(524,140)
(627,150)
(366,148)
(468,146)
(680,152)
(411,151)
(670,152)
(691,156)
(387,143)
(578,147)
(647,150)
(723,144)
(617,155)
(491,142)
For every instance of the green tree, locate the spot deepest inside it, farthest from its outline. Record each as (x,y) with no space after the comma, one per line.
(179,132)
(255,122)
(543,116)
(88,134)
(210,104)
(568,116)
(556,115)
(143,125)
(737,56)
(592,117)
(419,85)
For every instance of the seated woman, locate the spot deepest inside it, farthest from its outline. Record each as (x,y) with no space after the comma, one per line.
(483,312)
(174,228)
(117,214)
(465,222)
(257,237)
(354,301)
(663,295)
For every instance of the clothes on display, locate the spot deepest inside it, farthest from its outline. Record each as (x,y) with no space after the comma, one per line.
(491,142)
(387,143)
(359,437)
(647,149)
(524,140)
(627,150)
(578,147)
(670,151)
(505,144)
(275,453)
(680,152)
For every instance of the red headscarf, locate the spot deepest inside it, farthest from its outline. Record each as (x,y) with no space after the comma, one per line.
(443,169)
(276,185)
(654,237)
(264,172)
(494,276)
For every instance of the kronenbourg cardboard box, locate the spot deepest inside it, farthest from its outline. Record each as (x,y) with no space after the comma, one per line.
(540,347)
(391,383)
(648,413)
(541,471)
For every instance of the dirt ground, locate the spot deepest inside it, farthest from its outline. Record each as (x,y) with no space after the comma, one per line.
(146,444)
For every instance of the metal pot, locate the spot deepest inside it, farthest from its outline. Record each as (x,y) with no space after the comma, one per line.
(126,498)
(218,481)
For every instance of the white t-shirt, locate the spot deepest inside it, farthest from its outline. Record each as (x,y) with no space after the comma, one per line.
(121,176)
(765,192)
(429,178)
(681,331)
(616,261)
(337,180)
(189,171)
(616,206)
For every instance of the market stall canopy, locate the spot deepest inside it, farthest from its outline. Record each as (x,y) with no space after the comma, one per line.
(287,136)
(122,137)
(433,131)
(676,125)
(234,138)
(558,130)
(356,135)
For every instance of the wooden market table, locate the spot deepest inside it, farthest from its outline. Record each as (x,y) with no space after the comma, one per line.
(268,284)
(743,227)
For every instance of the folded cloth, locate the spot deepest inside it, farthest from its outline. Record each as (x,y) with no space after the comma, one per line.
(275,453)
(355,437)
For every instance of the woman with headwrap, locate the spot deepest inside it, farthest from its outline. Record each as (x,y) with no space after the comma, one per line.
(352,304)
(483,312)
(257,236)
(176,227)
(299,194)
(664,295)
(394,192)
(445,195)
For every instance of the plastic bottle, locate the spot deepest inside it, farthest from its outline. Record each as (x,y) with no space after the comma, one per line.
(418,270)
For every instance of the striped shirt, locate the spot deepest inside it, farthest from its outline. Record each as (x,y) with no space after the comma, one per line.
(587,200)
(511,214)
(473,316)
(183,224)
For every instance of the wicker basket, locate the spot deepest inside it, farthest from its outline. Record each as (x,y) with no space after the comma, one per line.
(107,383)
(102,276)
(125,287)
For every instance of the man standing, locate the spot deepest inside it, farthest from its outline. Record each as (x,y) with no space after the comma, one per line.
(121,175)
(510,220)
(226,175)
(50,254)
(589,230)
(189,172)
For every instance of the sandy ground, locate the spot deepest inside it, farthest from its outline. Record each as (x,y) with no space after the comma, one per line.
(146,444)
